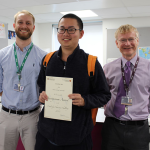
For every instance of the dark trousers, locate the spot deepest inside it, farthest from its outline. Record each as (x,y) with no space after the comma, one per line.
(43,144)
(117,136)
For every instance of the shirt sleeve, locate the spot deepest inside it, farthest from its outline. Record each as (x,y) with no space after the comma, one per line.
(1,78)
(149,90)
(106,76)
(100,94)
(41,78)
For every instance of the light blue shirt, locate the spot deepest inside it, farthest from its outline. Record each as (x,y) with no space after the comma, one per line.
(28,99)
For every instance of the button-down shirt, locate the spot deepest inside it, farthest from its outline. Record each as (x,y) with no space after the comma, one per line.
(139,88)
(28,99)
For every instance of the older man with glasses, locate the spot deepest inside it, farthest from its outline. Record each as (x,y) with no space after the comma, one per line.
(71,62)
(126,124)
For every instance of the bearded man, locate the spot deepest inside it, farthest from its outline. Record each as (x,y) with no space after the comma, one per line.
(19,69)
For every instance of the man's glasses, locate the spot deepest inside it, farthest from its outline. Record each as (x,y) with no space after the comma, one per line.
(131,40)
(70,30)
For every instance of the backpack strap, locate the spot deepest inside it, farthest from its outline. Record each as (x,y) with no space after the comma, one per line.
(91,71)
(94,114)
(47,58)
(91,65)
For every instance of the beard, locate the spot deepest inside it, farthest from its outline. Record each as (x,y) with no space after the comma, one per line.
(22,36)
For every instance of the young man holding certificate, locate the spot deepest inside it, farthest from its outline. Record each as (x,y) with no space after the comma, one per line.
(67,80)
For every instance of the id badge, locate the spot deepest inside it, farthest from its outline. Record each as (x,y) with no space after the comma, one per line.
(16,87)
(126,100)
(21,88)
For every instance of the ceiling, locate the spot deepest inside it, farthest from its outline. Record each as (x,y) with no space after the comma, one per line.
(49,10)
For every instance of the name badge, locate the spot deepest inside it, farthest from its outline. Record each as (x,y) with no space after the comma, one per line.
(21,88)
(126,100)
(16,87)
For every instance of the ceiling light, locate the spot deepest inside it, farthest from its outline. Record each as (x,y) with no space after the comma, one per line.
(82,13)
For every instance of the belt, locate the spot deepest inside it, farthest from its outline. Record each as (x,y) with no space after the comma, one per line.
(19,112)
(138,122)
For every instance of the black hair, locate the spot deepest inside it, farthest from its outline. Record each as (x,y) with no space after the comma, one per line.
(73,16)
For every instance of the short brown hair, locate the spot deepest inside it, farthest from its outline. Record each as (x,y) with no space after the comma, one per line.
(125,29)
(23,12)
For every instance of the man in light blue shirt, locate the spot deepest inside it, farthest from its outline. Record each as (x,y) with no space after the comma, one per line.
(19,69)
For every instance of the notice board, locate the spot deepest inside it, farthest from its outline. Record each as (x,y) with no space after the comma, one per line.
(4,41)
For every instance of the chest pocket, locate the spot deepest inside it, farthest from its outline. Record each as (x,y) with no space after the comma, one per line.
(30,71)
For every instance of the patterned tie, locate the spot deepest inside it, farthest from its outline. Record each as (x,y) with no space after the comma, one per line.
(119,109)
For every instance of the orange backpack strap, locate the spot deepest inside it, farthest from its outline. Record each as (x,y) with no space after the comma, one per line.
(91,65)
(94,114)
(91,72)
(47,58)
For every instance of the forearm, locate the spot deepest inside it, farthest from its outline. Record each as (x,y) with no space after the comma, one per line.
(96,100)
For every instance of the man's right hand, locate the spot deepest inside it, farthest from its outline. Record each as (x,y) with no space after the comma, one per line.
(43,97)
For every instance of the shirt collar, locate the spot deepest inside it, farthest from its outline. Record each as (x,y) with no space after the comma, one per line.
(133,60)
(70,56)
(25,48)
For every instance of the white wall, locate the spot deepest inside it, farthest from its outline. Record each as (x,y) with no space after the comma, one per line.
(35,36)
(42,36)
(92,40)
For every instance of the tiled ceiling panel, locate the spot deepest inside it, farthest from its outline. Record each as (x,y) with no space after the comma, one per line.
(116,16)
(49,16)
(111,11)
(136,2)
(19,3)
(48,2)
(49,10)
(141,14)
(74,6)
(139,9)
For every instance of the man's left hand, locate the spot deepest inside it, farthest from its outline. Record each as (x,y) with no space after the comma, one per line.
(77,99)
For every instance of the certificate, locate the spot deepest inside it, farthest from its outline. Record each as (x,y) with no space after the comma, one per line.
(58,106)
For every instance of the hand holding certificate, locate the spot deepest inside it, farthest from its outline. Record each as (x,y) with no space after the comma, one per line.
(58,106)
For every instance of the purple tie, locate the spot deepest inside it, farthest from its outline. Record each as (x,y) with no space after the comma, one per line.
(119,109)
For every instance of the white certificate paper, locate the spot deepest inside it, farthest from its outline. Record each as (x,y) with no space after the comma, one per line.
(58,106)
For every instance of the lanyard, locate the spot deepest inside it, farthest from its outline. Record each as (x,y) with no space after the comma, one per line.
(131,78)
(23,62)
